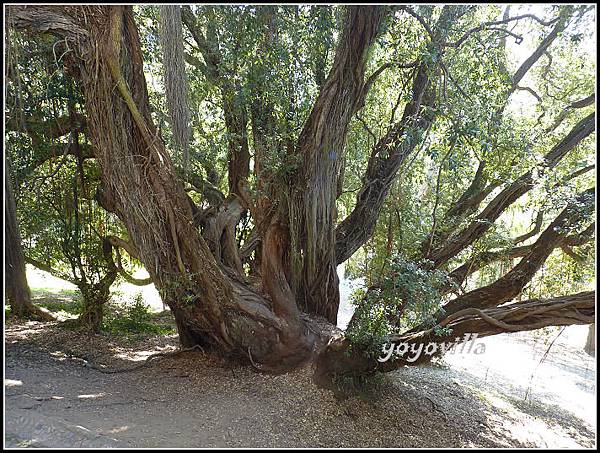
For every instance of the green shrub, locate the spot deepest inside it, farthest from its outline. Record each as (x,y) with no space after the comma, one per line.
(134,319)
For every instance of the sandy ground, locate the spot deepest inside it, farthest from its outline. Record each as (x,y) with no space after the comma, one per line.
(192,400)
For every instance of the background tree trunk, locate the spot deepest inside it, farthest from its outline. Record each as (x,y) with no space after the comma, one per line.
(590,343)
(176,84)
(17,288)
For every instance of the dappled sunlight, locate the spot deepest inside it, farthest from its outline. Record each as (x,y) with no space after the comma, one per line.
(347,287)
(28,329)
(532,430)
(541,402)
(91,396)
(138,356)
(513,377)
(44,282)
(565,377)
(123,292)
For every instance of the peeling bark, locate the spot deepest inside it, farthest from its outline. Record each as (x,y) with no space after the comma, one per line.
(310,205)
(199,276)
(210,306)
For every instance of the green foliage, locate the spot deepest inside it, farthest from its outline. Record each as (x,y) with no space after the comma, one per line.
(406,296)
(509,134)
(134,319)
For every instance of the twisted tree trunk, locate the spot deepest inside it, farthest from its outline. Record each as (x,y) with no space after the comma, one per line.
(308,210)
(210,305)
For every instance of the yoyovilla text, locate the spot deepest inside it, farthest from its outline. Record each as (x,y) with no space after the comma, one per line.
(412,352)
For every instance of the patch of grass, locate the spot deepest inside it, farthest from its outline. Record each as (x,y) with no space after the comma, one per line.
(63,302)
(135,320)
(63,307)
(47,292)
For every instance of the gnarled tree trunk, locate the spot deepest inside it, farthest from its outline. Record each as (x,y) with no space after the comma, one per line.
(308,209)
(210,305)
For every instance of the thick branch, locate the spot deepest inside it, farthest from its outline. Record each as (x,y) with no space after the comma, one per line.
(46,19)
(341,359)
(458,275)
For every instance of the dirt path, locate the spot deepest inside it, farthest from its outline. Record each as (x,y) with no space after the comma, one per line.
(191,400)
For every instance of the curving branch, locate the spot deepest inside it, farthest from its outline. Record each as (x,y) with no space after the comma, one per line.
(483,222)
(581,103)
(338,361)
(375,75)
(490,26)
(56,20)
(479,261)
(537,226)
(107,246)
(510,285)
(560,24)
(122,243)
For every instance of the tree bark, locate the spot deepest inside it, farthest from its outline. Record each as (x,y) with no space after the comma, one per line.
(212,304)
(391,151)
(341,359)
(309,207)
(510,285)
(95,298)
